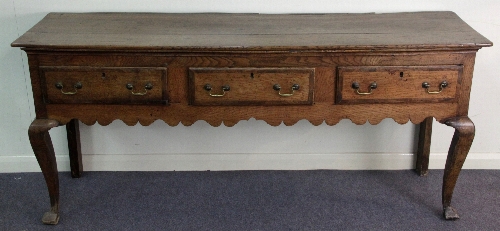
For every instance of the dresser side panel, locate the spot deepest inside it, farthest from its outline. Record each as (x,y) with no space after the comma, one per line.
(37,84)
(464,96)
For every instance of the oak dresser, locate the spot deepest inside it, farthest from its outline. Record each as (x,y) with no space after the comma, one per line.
(223,68)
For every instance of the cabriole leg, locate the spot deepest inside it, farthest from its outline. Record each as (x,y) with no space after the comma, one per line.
(75,153)
(424,147)
(459,148)
(44,151)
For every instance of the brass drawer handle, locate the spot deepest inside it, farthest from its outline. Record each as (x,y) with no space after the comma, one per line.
(208,88)
(147,87)
(77,86)
(355,86)
(442,86)
(277,87)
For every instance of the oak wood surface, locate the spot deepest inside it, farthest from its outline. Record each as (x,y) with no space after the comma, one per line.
(103,85)
(176,114)
(424,147)
(41,143)
(176,84)
(459,148)
(251,86)
(74,148)
(173,51)
(397,83)
(150,31)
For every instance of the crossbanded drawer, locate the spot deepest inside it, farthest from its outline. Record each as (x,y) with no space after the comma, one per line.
(104,85)
(251,86)
(397,84)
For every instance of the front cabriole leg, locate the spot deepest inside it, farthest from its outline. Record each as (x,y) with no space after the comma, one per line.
(44,151)
(459,148)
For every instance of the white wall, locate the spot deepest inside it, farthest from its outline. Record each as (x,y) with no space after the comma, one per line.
(250,144)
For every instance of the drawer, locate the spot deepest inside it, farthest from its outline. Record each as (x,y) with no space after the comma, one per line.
(251,86)
(104,85)
(395,84)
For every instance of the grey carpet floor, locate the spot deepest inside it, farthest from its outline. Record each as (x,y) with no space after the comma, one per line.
(252,200)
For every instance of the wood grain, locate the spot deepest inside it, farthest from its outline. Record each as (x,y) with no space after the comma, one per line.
(149,31)
(324,87)
(104,84)
(74,148)
(41,143)
(459,148)
(397,83)
(230,115)
(424,147)
(251,86)
(180,53)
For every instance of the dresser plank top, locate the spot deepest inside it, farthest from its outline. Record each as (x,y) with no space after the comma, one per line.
(251,32)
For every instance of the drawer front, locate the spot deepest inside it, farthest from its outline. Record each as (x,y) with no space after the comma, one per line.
(396,84)
(107,85)
(251,86)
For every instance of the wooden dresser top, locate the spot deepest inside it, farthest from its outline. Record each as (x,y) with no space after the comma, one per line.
(252,32)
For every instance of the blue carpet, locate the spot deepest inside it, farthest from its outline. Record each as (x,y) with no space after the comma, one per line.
(252,200)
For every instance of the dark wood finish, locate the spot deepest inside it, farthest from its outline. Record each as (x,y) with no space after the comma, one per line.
(229,116)
(44,151)
(74,147)
(251,86)
(324,88)
(459,148)
(323,53)
(104,85)
(424,146)
(231,32)
(398,84)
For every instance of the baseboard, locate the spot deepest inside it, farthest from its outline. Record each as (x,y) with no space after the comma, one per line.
(222,162)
